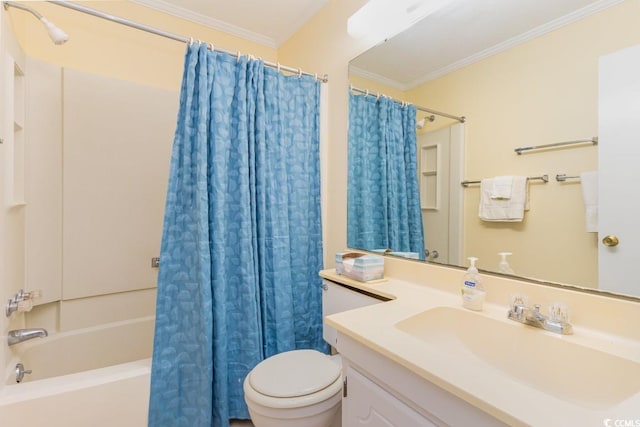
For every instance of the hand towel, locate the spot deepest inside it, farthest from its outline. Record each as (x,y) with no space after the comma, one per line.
(502,187)
(507,210)
(589,182)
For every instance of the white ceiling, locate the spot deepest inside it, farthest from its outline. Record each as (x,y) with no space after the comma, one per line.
(269,22)
(464,32)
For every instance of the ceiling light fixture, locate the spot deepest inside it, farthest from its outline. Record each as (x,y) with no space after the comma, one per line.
(382,19)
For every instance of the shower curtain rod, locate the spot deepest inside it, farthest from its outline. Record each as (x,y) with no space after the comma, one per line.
(461,119)
(172,36)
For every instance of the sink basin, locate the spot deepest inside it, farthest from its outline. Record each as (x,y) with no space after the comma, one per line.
(546,362)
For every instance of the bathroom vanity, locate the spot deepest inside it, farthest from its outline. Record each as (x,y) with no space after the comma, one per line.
(376,388)
(420,359)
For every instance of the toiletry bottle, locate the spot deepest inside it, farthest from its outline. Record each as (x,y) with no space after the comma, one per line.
(472,291)
(503,265)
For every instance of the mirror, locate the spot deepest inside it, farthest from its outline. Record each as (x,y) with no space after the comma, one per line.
(523,74)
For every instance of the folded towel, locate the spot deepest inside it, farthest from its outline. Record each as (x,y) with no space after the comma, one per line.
(590,196)
(502,187)
(504,210)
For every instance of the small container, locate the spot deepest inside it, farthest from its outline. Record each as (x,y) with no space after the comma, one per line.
(360,266)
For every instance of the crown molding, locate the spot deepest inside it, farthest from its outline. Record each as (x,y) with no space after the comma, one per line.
(520,39)
(377,78)
(207,21)
(500,47)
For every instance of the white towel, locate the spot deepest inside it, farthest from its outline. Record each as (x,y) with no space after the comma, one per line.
(590,196)
(502,187)
(507,210)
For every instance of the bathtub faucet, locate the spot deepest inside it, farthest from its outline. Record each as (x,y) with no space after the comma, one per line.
(19,335)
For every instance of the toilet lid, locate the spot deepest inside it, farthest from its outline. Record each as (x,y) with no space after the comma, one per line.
(294,373)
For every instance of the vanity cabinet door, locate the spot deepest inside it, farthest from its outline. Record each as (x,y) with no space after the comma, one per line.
(368,404)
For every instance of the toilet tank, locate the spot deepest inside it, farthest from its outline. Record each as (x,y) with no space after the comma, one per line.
(337,298)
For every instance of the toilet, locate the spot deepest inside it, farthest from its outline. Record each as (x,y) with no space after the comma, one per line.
(303,388)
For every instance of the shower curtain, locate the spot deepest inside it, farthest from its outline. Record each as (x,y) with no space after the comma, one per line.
(383,206)
(241,245)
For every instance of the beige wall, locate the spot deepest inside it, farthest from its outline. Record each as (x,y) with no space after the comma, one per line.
(540,92)
(317,49)
(115,51)
(558,103)
(106,48)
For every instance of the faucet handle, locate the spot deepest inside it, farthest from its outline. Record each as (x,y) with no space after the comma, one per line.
(559,312)
(31,295)
(518,299)
(516,312)
(22,301)
(25,305)
(21,372)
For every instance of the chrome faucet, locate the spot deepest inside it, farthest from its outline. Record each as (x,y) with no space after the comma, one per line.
(19,335)
(523,314)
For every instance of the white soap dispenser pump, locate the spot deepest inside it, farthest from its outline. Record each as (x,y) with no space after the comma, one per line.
(503,265)
(472,291)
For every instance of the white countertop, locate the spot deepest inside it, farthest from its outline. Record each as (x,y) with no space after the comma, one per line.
(488,388)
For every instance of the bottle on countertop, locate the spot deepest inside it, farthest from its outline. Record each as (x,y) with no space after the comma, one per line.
(503,265)
(473,293)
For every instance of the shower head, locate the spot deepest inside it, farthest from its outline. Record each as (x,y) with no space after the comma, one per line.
(56,34)
(420,123)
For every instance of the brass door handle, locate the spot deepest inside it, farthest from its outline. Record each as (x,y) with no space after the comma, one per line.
(610,240)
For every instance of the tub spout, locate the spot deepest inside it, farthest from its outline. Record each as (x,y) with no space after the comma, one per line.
(19,335)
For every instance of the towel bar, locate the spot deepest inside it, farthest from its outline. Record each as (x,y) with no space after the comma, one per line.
(562,177)
(544,178)
(593,141)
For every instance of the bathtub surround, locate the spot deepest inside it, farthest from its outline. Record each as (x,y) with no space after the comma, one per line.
(242,240)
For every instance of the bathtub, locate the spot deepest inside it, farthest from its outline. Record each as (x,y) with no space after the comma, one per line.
(96,376)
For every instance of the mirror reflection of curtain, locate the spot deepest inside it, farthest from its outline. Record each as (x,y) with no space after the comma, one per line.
(383,208)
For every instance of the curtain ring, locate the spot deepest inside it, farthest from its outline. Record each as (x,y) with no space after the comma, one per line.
(315,76)
(366,92)
(190,41)
(212,47)
(238,59)
(278,67)
(299,72)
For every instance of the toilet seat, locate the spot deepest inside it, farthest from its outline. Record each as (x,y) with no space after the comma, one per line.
(294,379)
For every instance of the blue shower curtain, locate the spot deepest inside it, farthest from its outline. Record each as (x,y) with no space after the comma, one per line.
(241,245)
(383,207)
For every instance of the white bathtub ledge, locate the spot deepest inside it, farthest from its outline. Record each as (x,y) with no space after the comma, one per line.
(15,393)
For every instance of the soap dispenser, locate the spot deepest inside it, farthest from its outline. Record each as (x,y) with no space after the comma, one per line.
(472,291)
(503,265)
